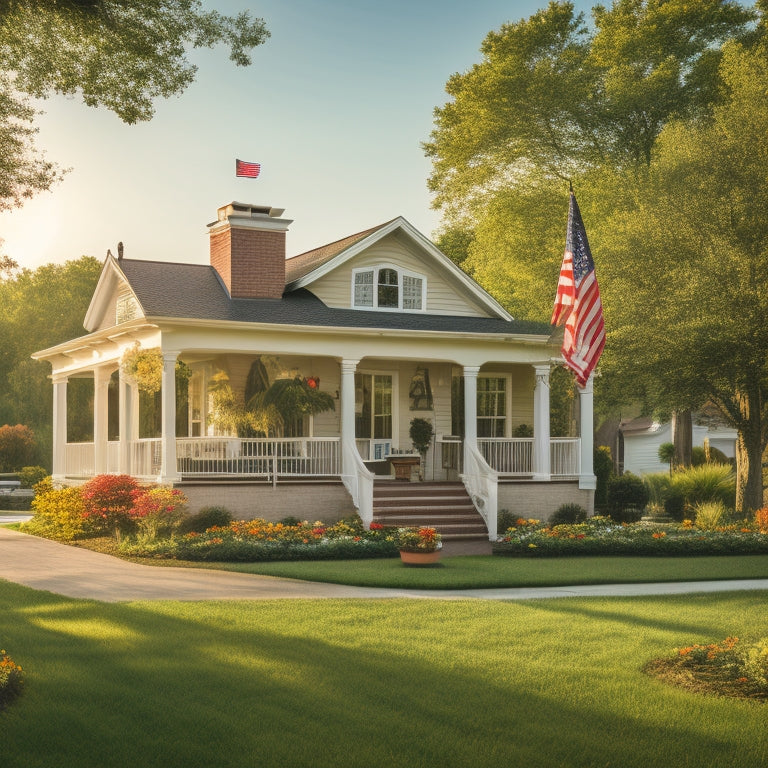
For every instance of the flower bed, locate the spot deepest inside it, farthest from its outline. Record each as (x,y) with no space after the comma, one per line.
(259,540)
(11,679)
(602,536)
(729,668)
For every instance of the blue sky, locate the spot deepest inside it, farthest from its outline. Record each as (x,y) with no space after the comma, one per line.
(334,107)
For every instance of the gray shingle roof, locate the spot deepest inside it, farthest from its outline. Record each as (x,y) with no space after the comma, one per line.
(194,292)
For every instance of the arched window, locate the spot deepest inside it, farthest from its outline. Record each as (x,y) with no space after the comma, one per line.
(388,288)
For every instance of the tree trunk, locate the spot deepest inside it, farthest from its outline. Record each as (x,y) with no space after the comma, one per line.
(682,437)
(749,452)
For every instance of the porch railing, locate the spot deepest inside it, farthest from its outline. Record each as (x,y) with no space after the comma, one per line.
(508,456)
(258,457)
(565,455)
(311,456)
(79,460)
(146,457)
(513,457)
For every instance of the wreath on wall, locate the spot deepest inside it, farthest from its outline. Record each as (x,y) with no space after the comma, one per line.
(144,367)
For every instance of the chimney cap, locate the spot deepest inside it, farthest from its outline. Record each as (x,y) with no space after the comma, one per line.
(248,210)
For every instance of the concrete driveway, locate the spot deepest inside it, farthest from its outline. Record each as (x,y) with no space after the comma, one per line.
(74,572)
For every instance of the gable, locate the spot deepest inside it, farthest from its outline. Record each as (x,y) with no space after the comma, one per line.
(403,247)
(443,294)
(114,301)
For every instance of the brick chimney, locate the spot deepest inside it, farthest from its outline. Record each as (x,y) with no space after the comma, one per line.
(248,250)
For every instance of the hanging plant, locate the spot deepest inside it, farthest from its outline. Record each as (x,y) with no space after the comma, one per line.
(144,367)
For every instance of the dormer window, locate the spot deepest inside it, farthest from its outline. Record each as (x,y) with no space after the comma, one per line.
(388,288)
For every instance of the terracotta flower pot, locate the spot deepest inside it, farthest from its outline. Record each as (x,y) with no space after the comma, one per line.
(419,558)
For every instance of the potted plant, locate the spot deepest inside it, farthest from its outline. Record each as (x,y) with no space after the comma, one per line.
(419,546)
(421,436)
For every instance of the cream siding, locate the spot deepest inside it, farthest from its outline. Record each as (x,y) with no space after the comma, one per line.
(445,296)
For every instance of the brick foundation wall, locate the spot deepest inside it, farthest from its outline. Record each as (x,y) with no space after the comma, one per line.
(307,501)
(540,500)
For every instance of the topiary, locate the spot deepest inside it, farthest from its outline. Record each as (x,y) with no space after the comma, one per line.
(603,469)
(205,518)
(568,513)
(627,497)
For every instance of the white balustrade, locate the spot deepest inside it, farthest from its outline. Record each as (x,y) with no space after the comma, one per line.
(514,456)
(259,457)
(79,460)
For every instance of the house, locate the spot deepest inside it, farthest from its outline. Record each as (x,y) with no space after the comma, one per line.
(382,321)
(639,440)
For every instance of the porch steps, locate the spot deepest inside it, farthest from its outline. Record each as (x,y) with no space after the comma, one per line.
(444,506)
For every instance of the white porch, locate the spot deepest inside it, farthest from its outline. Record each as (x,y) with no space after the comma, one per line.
(349,445)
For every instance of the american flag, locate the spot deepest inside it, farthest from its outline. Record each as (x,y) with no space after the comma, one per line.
(577,302)
(243,168)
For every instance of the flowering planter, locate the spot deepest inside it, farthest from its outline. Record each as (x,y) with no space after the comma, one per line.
(419,558)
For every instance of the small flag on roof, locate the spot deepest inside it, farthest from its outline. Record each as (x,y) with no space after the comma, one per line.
(577,302)
(249,170)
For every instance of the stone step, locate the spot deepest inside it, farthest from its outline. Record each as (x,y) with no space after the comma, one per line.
(467,510)
(446,503)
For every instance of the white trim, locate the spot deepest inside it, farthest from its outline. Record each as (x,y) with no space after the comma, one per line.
(429,247)
(110,276)
(401,273)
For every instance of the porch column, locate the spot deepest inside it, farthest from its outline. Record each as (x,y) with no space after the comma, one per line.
(59,427)
(541,452)
(168,469)
(125,416)
(587,479)
(100,419)
(347,413)
(470,409)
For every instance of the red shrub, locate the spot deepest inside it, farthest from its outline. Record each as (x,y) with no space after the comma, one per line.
(109,499)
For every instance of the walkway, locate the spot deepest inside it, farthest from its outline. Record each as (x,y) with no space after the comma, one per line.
(74,572)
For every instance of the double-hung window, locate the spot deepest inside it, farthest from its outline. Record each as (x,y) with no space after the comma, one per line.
(388,288)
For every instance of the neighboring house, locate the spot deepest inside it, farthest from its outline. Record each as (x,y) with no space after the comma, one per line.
(641,438)
(381,320)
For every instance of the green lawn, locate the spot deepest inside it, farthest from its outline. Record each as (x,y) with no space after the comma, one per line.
(488,572)
(370,683)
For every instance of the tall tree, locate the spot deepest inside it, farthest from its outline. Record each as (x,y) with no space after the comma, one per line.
(118,54)
(553,99)
(692,324)
(41,308)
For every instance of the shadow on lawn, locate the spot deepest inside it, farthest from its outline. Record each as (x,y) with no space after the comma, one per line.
(337,683)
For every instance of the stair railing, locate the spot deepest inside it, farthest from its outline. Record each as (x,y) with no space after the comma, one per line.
(359,483)
(482,484)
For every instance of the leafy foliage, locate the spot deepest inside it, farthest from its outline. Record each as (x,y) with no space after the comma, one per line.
(30,476)
(11,679)
(603,536)
(17,447)
(568,513)
(108,501)
(207,517)
(58,513)
(111,53)
(627,497)
(60,294)
(259,540)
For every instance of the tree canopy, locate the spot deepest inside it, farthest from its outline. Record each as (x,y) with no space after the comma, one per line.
(41,308)
(657,112)
(118,54)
